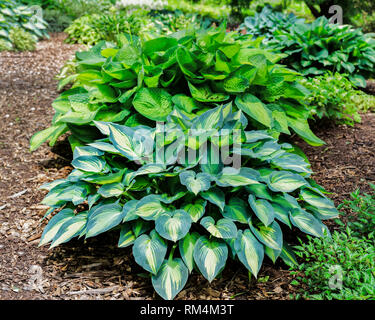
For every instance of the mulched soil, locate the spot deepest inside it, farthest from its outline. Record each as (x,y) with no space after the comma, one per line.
(96,268)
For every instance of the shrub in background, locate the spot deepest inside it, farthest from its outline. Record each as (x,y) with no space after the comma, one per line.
(318,47)
(182,210)
(194,69)
(22,40)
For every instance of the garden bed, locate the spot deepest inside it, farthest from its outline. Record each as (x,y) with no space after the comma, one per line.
(98,267)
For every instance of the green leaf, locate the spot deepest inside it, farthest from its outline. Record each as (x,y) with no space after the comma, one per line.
(237,210)
(290,161)
(253,107)
(54,225)
(285,181)
(215,196)
(195,182)
(153,103)
(270,236)
(303,130)
(307,223)
(38,138)
(173,225)
(103,218)
(149,207)
(149,251)
(127,236)
(171,278)
(262,209)
(210,256)
(111,190)
(69,229)
(186,247)
(89,164)
(129,211)
(249,251)
(231,177)
(203,93)
(196,210)
(223,228)
(323,207)
(288,256)
(110,178)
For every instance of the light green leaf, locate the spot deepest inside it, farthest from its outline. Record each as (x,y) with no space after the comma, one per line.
(223,228)
(127,236)
(195,210)
(173,225)
(284,181)
(149,207)
(111,190)
(89,164)
(231,177)
(253,107)
(307,223)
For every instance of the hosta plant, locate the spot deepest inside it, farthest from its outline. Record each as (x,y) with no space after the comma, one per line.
(321,46)
(141,81)
(188,195)
(22,40)
(266,22)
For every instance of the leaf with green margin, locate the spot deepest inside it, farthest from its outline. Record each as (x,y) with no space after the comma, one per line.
(255,108)
(140,226)
(281,213)
(285,181)
(127,236)
(149,207)
(195,182)
(70,229)
(231,177)
(40,137)
(290,161)
(270,236)
(86,151)
(215,196)
(223,228)
(210,256)
(171,278)
(105,179)
(249,251)
(129,211)
(54,225)
(196,210)
(90,164)
(260,191)
(323,207)
(149,251)
(111,190)
(146,169)
(262,209)
(153,103)
(103,218)
(288,256)
(307,223)
(303,130)
(272,253)
(173,225)
(237,210)
(186,247)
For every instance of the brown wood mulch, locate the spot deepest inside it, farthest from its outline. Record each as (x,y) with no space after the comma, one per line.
(97,269)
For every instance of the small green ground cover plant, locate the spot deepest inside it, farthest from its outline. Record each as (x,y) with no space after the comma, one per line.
(183,210)
(318,47)
(333,96)
(343,267)
(136,81)
(20,26)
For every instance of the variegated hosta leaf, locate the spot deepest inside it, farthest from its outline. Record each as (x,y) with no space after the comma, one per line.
(141,226)
(196,210)
(105,179)
(288,256)
(127,236)
(215,196)
(149,251)
(262,209)
(173,225)
(231,177)
(195,182)
(210,256)
(224,228)
(149,207)
(321,206)
(54,225)
(111,190)
(86,151)
(249,251)
(237,210)
(146,169)
(104,146)
(129,211)
(103,218)
(290,161)
(270,236)
(90,164)
(69,229)
(284,181)
(260,191)
(171,278)
(307,223)
(281,213)
(272,253)
(186,246)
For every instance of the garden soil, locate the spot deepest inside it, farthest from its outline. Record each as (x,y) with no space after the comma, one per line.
(96,268)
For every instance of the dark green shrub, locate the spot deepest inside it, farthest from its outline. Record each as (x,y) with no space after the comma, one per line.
(171,192)
(318,47)
(136,82)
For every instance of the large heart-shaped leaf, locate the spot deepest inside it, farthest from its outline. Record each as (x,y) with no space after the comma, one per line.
(186,246)
(237,210)
(223,228)
(127,236)
(173,225)
(149,207)
(231,177)
(89,164)
(103,218)
(253,107)
(195,182)
(285,181)
(210,256)
(196,210)
(215,196)
(307,223)
(149,251)
(171,278)
(262,209)
(270,236)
